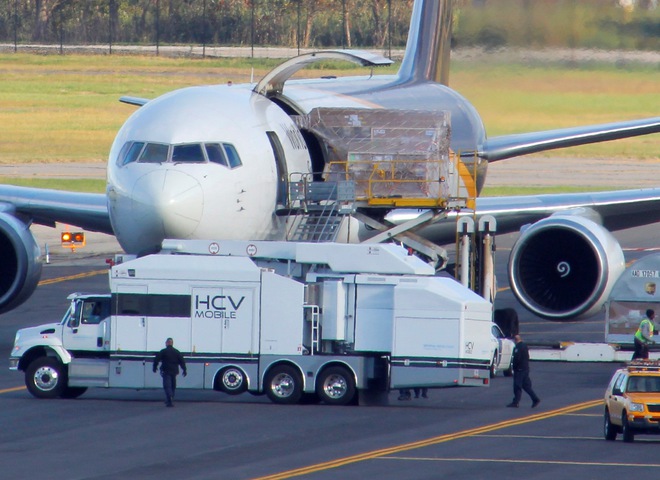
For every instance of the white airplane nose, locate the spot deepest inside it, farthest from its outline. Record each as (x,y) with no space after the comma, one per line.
(170,201)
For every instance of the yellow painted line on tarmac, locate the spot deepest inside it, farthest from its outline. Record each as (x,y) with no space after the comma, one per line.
(50,281)
(13,389)
(540,462)
(542,437)
(340,462)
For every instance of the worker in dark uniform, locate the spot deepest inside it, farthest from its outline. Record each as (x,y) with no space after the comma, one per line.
(521,380)
(171,360)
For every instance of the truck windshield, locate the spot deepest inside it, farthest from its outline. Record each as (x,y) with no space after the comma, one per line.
(67,315)
(72,315)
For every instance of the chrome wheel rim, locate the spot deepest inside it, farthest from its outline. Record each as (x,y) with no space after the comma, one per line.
(335,386)
(46,378)
(232,379)
(283,385)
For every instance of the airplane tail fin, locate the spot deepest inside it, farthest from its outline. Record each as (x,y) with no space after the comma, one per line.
(429,42)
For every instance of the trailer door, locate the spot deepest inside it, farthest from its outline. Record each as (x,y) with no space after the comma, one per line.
(130,318)
(237,324)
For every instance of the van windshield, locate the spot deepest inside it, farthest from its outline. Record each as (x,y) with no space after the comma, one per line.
(639,384)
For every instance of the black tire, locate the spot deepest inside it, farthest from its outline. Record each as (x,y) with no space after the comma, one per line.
(609,429)
(628,435)
(233,381)
(45,378)
(284,385)
(493,366)
(73,392)
(336,386)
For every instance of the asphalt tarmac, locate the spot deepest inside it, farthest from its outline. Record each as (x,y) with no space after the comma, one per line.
(462,433)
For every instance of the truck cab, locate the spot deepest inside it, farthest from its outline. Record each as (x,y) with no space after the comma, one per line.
(44,352)
(85,324)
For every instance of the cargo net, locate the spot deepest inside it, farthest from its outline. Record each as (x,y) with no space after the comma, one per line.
(389,154)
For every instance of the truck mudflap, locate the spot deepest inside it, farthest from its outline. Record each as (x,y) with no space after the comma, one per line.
(431,372)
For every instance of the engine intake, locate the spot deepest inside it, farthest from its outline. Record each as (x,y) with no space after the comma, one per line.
(564,267)
(20,268)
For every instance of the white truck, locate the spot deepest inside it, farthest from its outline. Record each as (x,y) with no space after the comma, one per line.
(297,321)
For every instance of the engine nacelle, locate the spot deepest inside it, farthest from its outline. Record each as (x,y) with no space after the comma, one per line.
(564,267)
(20,262)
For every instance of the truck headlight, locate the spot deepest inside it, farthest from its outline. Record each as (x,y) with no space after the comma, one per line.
(636,407)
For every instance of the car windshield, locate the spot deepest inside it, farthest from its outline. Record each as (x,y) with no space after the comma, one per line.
(640,384)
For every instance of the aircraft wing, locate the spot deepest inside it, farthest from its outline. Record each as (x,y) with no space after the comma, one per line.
(507,146)
(613,210)
(565,261)
(45,207)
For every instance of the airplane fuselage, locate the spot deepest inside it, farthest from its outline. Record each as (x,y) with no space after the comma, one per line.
(213,161)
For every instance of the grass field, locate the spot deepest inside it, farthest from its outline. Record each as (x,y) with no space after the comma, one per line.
(65,108)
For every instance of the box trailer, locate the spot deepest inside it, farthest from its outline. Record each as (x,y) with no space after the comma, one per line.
(292,320)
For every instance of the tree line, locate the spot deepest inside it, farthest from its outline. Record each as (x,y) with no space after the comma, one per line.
(328,23)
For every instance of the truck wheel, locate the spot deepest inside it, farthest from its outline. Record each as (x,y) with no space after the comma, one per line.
(45,378)
(628,435)
(610,430)
(336,386)
(284,385)
(232,381)
(73,392)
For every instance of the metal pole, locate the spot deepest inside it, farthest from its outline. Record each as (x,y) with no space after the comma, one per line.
(110,26)
(61,32)
(252,29)
(15,26)
(204,30)
(343,23)
(389,29)
(298,32)
(157,27)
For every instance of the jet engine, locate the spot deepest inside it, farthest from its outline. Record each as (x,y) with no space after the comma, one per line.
(20,264)
(564,267)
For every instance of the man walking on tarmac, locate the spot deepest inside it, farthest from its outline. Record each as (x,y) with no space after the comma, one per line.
(171,359)
(644,336)
(521,379)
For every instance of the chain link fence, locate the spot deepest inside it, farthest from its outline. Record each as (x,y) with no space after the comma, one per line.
(314,24)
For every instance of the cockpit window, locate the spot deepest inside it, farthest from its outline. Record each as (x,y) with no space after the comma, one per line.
(220,153)
(130,152)
(216,154)
(154,153)
(188,153)
(232,155)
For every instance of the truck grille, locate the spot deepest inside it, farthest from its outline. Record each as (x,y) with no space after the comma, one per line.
(653,407)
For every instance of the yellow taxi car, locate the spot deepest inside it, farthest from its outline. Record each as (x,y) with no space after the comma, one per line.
(632,401)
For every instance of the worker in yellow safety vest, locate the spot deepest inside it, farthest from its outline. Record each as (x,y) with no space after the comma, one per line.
(644,336)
